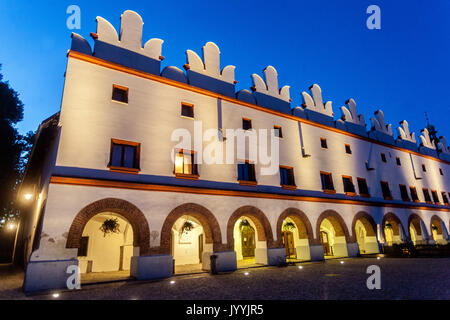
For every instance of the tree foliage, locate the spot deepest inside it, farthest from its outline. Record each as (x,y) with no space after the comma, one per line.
(14,150)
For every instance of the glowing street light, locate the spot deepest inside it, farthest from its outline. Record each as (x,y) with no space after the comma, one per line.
(28,196)
(11,226)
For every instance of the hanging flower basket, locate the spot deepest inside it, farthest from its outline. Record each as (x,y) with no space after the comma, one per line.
(288,226)
(433,227)
(187,226)
(110,226)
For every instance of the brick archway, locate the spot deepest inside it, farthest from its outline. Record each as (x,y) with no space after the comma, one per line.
(340,228)
(263,228)
(436,221)
(395,222)
(208,221)
(415,220)
(368,223)
(301,221)
(141,231)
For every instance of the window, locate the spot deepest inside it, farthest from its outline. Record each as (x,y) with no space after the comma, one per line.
(278,132)
(404,192)
(323,143)
(426,195)
(441,172)
(398,161)
(287,177)
(385,190)
(83,249)
(444,198)
(185,166)
(362,186)
(424,169)
(435,196)
(246,124)
(349,187)
(383,158)
(327,182)
(120,94)
(414,196)
(124,156)
(348,149)
(246,173)
(187,110)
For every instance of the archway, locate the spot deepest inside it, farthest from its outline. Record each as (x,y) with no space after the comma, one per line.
(333,234)
(190,234)
(437,230)
(364,233)
(294,233)
(249,235)
(415,229)
(129,236)
(392,229)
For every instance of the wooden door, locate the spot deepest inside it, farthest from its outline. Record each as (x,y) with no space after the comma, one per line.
(248,242)
(200,247)
(325,243)
(288,242)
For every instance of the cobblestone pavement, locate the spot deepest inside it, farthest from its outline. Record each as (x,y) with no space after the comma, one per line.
(400,279)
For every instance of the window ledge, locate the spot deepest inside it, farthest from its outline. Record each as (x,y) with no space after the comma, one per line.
(187,176)
(416,201)
(186,117)
(329,191)
(351,194)
(124,170)
(248,183)
(406,199)
(365,195)
(120,102)
(428,202)
(387,198)
(437,203)
(289,187)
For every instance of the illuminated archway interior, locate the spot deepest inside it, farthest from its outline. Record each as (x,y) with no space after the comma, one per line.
(333,240)
(249,248)
(392,232)
(415,230)
(296,245)
(102,251)
(437,231)
(188,244)
(365,236)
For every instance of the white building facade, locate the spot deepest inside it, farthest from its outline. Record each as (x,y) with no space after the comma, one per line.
(338,191)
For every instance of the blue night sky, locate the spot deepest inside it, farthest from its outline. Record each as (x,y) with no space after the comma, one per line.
(403,68)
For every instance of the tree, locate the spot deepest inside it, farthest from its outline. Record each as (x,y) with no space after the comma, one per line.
(14,149)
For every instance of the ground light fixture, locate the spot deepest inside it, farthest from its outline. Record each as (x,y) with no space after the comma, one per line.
(11,226)
(300,267)
(28,196)
(55,295)
(246,273)
(172,282)
(342,262)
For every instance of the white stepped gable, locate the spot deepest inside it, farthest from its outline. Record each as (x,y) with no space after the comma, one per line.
(442,144)
(379,124)
(130,35)
(270,85)
(316,102)
(426,141)
(210,66)
(349,113)
(404,132)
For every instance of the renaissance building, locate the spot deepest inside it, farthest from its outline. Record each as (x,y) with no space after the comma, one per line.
(113,188)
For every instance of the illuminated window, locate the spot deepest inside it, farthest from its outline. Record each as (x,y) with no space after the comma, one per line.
(287,176)
(323,143)
(398,161)
(246,124)
(348,149)
(414,196)
(246,172)
(385,190)
(404,192)
(424,169)
(124,156)
(278,132)
(120,94)
(185,163)
(426,195)
(362,186)
(327,182)
(349,187)
(435,196)
(444,197)
(383,158)
(187,110)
